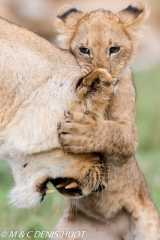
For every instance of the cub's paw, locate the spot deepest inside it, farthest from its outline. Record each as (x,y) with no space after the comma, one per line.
(93,83)
(79,132)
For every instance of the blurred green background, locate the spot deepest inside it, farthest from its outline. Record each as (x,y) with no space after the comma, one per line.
(147,80)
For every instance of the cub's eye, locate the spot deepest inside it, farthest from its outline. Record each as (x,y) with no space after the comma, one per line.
(84,50)
(114,50)
(107,84)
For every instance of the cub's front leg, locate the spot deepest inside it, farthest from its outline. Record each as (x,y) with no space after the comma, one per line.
(94,92)
(118,135)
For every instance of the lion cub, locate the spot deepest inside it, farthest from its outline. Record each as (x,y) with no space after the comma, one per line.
(94,94)
(101,39)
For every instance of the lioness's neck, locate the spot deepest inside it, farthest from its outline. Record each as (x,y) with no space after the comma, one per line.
(37,81)
(23,58)
(27,64)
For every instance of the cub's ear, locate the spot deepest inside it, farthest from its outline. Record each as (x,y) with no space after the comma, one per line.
(134,15)
(66,21)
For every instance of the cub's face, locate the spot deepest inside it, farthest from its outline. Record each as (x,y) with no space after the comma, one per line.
(102,39)
(102,42)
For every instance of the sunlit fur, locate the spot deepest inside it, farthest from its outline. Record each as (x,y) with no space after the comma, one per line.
(99,31)
(117,138)
(37,84)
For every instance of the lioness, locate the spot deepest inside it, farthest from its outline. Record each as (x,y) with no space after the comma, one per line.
(107,40)
(37,83)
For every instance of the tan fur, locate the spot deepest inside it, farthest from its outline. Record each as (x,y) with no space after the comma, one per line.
(125,188)
(124,210)
(38,83)
(98,31)
(113,229)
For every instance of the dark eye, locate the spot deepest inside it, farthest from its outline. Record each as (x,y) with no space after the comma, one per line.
(114,50)
(84,50)
(107,84)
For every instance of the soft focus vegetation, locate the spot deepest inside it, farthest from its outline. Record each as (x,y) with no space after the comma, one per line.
(45,216)
(148,121)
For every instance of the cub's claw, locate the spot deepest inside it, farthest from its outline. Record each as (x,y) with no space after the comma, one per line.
(67,114)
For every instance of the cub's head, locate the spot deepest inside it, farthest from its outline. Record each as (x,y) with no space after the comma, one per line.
(102,39)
